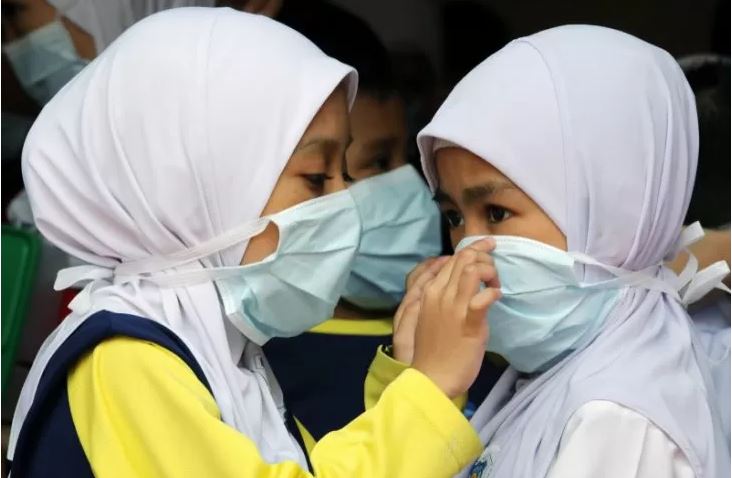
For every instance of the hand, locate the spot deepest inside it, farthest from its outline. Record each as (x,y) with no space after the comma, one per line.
(452,330)
(405,319)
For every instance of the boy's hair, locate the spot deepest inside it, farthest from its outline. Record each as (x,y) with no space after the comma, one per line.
(345,37)
(709,77)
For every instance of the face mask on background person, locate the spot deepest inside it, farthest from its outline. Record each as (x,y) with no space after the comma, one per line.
(44,60)
(401,228)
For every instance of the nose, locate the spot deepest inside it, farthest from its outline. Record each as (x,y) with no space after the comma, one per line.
(337,183)
(475,227)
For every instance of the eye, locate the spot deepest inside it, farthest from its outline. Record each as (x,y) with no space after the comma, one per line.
(317,181)
(454,219)
(382,163)
(496,214)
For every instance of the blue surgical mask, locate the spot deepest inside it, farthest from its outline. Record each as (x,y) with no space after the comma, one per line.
(299,285)
(44,60)
(401,228)
(546,312)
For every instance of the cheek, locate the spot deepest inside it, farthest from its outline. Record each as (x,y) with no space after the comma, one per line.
(536,226)
(336,184)
(456,235)
(399,158)
(261,245)
(290,191)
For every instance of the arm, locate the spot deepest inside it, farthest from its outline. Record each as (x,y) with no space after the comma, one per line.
(140,411)
(383,371)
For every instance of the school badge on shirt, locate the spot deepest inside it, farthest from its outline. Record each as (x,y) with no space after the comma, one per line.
(483,467)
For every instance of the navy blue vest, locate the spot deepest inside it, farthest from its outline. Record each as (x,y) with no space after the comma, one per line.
(48,445)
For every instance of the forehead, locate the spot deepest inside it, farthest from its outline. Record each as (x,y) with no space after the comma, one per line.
(459,168)
(332,117)
(375,117)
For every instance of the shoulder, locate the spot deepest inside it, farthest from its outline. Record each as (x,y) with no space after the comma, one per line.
(125,369)
(604,438)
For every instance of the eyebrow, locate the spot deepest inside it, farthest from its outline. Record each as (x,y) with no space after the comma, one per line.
(476,193)
(442,197)
(381,144)
(480,192)
(323,143)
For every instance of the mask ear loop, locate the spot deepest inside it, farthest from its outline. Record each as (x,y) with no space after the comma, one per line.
(688,287)
(185,256)
(91,275)
(645,278)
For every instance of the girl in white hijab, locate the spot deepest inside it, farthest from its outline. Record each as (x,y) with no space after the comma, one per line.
(576,150)
(195,131)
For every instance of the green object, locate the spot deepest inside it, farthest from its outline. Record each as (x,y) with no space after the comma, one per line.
(20,250)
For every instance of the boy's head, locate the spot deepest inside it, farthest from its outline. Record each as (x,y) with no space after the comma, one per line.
(378,122)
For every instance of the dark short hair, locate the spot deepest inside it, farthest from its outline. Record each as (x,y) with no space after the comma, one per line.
(710,80)
(345,37)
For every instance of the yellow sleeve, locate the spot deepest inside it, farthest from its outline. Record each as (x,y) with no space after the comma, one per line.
(139,410)
(384,370)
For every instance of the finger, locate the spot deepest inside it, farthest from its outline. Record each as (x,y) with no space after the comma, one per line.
(475,320)
(443,276)
(488,275)
(414,293)
(483,245)
(430,266)
(478,251)
(469,255)
(408,300)
(417,271)
(403,340)
(429,274)
(468,286)
(480,302)
(409,317)
(440,288)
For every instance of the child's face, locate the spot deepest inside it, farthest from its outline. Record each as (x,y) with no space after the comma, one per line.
(476,199)
(314,169)
(379,132)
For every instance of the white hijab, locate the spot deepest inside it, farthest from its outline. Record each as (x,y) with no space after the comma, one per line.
(105,20)
(173,136)
(599,129)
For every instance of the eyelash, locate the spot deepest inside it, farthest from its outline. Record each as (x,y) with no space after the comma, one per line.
(454,219)
(491,208)
(317,180)
(382,162)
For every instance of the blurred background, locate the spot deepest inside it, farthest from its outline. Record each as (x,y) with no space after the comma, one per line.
(410,53)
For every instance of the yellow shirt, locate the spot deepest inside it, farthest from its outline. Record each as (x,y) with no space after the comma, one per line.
(139,410)
(383,371)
